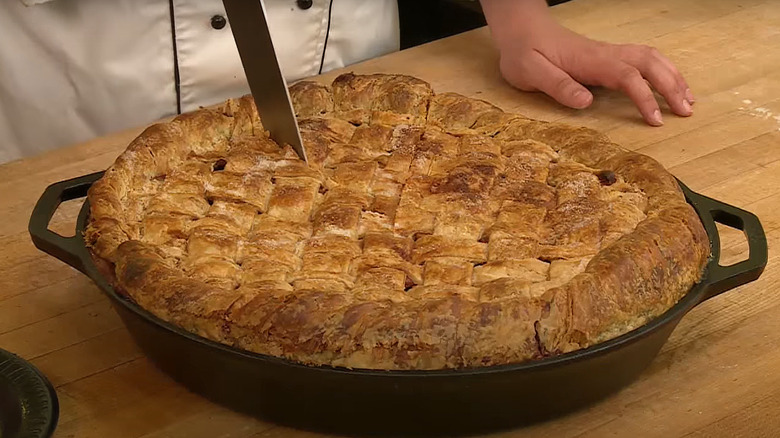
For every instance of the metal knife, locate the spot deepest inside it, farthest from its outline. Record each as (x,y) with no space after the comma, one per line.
(248,22)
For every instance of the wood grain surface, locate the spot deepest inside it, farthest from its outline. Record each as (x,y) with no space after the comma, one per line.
(719,373)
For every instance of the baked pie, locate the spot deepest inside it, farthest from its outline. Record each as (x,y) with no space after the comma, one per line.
(427,231)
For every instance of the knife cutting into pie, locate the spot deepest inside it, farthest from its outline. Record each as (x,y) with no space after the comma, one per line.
(263,73)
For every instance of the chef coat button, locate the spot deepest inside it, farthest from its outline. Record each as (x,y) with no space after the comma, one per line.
(304,4)
(218,22)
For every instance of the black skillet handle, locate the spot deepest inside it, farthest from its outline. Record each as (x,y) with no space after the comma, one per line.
(722,278)
(68,249)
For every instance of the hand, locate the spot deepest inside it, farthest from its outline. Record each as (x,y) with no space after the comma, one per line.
(538,54)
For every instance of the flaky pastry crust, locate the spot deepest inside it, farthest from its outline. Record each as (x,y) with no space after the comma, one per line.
(427,231)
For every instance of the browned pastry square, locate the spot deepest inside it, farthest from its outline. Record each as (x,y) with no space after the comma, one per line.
(163,228)
(426,230)
(252,188)
(178,203)
(292,199)
(456,113)
(311,99)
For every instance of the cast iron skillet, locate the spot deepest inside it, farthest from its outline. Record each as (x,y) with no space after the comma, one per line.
(409,402)
(29,407)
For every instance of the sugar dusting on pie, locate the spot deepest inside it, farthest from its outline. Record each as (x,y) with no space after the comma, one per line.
(427,231)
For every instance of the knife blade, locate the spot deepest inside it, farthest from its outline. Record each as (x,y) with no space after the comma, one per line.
(248,23)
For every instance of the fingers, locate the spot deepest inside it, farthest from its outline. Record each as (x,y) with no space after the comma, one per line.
(631,82)
(662,75)
(681,80)
(560,68)
(534,71)
(618,75)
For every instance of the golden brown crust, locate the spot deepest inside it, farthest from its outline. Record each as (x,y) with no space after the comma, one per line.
(427,231)
(311,99)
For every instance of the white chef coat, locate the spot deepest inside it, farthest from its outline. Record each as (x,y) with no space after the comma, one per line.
(71,70)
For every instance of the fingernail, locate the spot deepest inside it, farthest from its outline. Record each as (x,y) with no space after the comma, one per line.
(689,96)
(687,107)
(581,97)
(656,119)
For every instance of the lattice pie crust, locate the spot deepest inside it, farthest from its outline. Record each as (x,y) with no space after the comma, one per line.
(427,231)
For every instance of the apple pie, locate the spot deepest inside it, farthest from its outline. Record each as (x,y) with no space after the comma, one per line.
(426,230)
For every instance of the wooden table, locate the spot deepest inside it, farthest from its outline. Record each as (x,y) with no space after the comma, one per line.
(719,374)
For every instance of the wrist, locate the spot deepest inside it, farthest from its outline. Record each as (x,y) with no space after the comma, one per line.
(513,20)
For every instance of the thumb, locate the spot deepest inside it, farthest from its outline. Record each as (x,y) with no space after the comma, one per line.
(535,71)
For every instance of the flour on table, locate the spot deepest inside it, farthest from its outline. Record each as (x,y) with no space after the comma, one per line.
(758,111)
